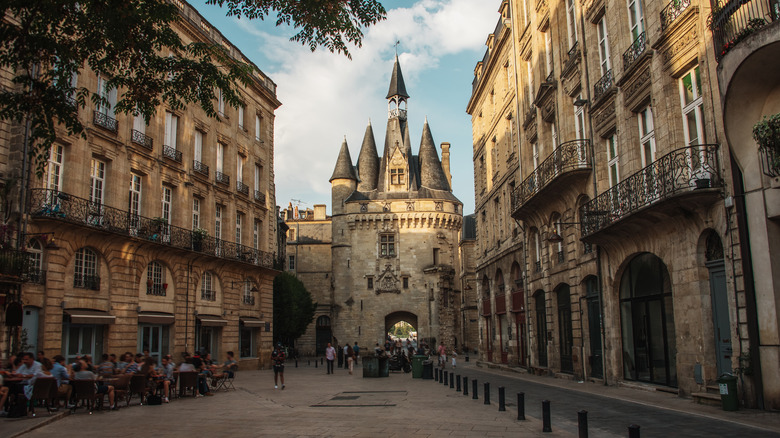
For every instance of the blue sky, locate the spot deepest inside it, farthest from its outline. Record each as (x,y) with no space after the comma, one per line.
(326,97)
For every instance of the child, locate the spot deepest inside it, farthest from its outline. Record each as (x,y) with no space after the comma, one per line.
(454,355)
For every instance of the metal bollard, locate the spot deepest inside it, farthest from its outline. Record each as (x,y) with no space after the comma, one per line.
(474,389)
(520,406)
(457,379)
(582,423)
(435,374)
(546,416)
(487,393)
(633,431)
(445,377)
(321,361)
(501,401)
(452,380)
(465,385)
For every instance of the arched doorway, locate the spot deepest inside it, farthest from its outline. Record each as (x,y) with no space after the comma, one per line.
(487,314)
(594,327)
(324,334)
(565,335)
(647,316)
(518,308)
(721,322)
(403,326)
(541,328)
(503,325)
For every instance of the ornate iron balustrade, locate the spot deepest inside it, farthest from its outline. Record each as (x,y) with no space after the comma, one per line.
(221,178)
(569,156)
(200,168)
(242,188)
(397,112)
(603,85)
(142,139)
(674,9)
(636,50)
(537,267)
(15,265)
(155,289)
(208,295)
(736,19)
(55,205)
(682,170)
(86,281)
(36,276)
(105,121)
(248,300)
(260,197)
(572,54)
(770,161)
(171,153)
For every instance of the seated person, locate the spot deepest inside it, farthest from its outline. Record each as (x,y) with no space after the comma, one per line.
(60,372)
(81,373)
(106,367)
(204,373)
(166,374)
(231,365)
(3,398)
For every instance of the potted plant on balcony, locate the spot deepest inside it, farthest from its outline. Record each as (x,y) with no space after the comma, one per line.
(198,235)
(767,135)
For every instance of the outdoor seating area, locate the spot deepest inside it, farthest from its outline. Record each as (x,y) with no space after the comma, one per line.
(34,385)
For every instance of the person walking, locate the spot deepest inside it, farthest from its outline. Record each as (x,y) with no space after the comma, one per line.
(340,353)
(442,356)
(278,357)
(349,354)
(330,356)
(356,349)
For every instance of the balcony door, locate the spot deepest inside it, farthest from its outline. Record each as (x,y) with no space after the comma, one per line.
(565,332)
(541,329)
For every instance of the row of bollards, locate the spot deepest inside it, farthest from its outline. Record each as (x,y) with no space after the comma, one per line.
(454,381)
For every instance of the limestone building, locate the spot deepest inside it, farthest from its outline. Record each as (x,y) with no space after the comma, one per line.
(158,236)
(612,227)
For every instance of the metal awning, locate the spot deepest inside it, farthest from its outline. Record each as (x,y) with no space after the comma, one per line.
(155,318)
(79,316)
(212,321)
(251,322)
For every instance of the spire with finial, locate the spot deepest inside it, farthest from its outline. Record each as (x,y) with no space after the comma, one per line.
(431,173)
(396,94)
(344,168)
(368,162)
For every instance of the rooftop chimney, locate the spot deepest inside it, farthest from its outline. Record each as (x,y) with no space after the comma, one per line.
(445,161)
(319,212)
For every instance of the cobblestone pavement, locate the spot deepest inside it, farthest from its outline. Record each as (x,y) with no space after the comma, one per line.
(316,404)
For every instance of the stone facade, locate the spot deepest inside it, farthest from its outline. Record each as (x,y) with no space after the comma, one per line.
(122,270)
(608,210)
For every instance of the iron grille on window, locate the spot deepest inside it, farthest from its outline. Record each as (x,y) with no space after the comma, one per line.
(141,139)
(603,85)
(208,294)
(222,178)
(155,289)
(242,188)
(86,281)
(171,153)
(635,51)
(200,168)
(105,121)
(36,276)
(248,300)
(674,9)
(260,197)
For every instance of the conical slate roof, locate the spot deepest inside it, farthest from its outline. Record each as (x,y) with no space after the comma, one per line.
(344,168)
(397,86)
(368,162)
(431,173)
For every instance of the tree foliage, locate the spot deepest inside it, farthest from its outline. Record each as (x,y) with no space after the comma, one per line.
(293,308)
(132,45)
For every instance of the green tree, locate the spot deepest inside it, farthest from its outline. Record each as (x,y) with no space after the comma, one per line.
(293,308)
(132,46)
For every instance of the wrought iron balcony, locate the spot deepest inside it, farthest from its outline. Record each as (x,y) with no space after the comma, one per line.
(242,188)
(248,300)
(603,85)
(105,121)
(171,153)
(208,295)
(200,168)
(221,178)
(770,161)
(572,56)
(260,197)
(36,276)
(674,9)
(141,139)
(735,20)
(15,266)
(685,170)
(86,281)
(636,50)
(571,156)
(60,206)
(156,289)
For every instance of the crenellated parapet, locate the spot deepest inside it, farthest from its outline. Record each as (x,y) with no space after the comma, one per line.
(418,220)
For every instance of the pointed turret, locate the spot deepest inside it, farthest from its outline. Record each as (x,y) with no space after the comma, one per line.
(368,162)
(431,173)
(397,85)
(344,168)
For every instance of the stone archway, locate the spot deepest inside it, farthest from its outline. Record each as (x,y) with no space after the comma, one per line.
(394,318)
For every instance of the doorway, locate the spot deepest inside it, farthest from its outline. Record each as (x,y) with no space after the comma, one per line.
(541,328)
(323,334)
(565,335)
(720,304)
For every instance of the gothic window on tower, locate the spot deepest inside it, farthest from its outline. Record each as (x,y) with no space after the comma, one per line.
(370,282)
(396,176)
(387,245)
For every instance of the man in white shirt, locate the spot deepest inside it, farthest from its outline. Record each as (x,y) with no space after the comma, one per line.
(29,367)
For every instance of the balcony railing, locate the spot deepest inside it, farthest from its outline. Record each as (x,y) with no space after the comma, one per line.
(208,295)
(36,276)
(603,85)
(248,300)
(242,188)
(635,51)
(156,289)
(572,56)
(105,121)
(674,9)
(141,139)
(736,19)
(682,170)
(86,281)
(486,307)
(15,265)
(260,197)
(770,161)
(200,168)
(171,153)
(569,156)
(221,178)
(64,207)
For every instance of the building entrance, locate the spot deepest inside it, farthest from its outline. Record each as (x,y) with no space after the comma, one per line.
(324,334)
(401,327)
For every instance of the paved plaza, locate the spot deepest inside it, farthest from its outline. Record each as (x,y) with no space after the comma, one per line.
(316,404)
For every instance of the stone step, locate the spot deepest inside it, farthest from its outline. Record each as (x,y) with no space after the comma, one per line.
(713,389)
(706,398)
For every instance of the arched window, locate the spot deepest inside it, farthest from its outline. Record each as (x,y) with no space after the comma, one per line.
(207,291)
(85,275)
(155,279)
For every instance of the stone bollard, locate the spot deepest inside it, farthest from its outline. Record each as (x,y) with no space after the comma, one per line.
(633,431)
(445,377)
(457,379)
(452,380)
(582,423)
(487,393)
(474,389)
(520,406)
(435,374)
(501,401)
(465,385)
(546,427)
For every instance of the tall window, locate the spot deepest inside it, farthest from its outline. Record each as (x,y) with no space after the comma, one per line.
(54,169)
(571,22)
(171,124)
(579,121)
(537,252)
(601,30)
(548,51)
(258,172)
(155,278)
(530,84)
(109,94)
(612,163)
(97,180)
(135,201)
(396,176)
(240,168)
(636,18)
(691,101)
(291,263)
(220,103)
(646,135)
(387,245)
(218,222)
(239,222)
(197,153)
(35,249)
(241,110)
(256,235)
(553,135)
(195,213)
(257,127)
(166,213)
(220,157)
(86,270)
(207,291)
(535,152)
(139,124)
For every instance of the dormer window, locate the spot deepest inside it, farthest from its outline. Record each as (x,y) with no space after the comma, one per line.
(396,176)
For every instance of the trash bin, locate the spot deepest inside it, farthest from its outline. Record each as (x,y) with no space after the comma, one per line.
(427,370)
(727,383)
(370,366)
(383,367)
(417,365)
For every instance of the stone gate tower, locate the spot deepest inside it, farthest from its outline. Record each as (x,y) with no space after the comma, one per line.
(395,232)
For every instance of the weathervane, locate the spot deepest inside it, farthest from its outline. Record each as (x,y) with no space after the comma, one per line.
(396,47)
